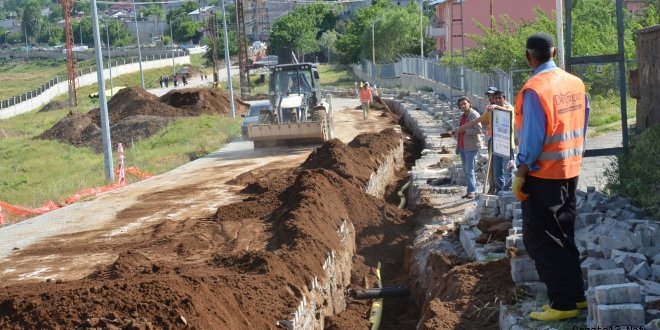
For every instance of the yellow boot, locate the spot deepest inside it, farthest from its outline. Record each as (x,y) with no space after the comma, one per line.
(580,305)
(554,315)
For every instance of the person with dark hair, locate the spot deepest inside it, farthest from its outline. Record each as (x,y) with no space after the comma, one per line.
(469,143)
(552,112)
(501,176)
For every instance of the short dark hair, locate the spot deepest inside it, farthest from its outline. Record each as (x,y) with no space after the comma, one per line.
(499,93)
(463,98)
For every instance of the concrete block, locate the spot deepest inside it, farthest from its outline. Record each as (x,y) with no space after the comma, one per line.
(467,238)
(650,288)
(535,287)
(606,276)
(515,241)
(637,257)
(589,218)
(625,262)
(595,251)
(641,271)
(655,273)
(613,213)
(523,269)
(517,223)
(625,293)
(619,315)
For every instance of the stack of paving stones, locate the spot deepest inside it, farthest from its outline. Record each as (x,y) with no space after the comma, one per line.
(619,244)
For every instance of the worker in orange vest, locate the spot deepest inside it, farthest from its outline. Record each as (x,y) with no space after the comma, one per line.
(366,98)
(552,111)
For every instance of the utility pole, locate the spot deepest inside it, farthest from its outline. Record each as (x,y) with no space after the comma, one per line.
(103,104)
(242,50)
(67,6)
(137,34)
(227,62)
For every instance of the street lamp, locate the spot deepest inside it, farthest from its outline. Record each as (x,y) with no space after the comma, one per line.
(172,41)
(421,27)
(107,36)
(373,47)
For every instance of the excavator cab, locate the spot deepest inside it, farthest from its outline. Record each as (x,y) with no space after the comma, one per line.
(299,111)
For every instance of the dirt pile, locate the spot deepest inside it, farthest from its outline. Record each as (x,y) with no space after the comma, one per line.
(195,274)
(135,114)
(468,297)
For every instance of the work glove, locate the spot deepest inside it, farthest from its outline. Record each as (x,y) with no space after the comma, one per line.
(518,182)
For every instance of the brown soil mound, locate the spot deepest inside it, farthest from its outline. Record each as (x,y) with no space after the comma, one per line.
(54,105)
(135,114)
(202,101)
(469,296)
(194,274)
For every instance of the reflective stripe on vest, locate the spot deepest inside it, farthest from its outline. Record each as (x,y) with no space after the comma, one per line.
(563,98)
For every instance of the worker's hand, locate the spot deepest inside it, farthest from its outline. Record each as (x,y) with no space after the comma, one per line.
(459,129)
(518,182)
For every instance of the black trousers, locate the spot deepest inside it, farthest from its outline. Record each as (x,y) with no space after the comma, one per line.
(549,237)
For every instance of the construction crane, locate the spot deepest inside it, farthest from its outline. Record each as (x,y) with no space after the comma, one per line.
(67,7)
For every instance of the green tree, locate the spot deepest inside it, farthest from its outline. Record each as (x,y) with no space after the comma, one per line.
(31,19)
(300,28)
(327,43)
(153,10)
(396,31)
(183,27)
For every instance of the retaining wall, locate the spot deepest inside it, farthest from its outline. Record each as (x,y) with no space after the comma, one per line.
(326,297)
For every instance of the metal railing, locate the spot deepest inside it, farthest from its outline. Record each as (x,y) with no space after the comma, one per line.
(474,82)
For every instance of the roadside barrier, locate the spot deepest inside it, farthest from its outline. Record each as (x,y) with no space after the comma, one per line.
(122,175)
(120,172)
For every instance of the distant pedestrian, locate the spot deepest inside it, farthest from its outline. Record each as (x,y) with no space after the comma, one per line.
(184,80)
(167,81)
(366,98)
(161,81)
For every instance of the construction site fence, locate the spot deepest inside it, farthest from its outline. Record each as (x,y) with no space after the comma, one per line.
(460,80)
(12,101)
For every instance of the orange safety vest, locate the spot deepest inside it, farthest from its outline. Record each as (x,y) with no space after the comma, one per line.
(365,94)
(563,98)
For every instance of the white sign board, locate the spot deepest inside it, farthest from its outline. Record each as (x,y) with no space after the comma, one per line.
(502,131)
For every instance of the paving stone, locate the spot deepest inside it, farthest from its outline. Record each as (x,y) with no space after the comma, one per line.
(523,269)
(618,294)
(637,257)
(619,315)
(641,271)
(655,273)
(650,288)
(625,262)
(606,276)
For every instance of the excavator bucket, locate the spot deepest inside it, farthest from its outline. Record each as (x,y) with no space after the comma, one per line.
(287,134)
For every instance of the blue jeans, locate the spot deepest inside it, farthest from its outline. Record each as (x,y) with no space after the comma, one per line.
(501,174)
(469,159)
